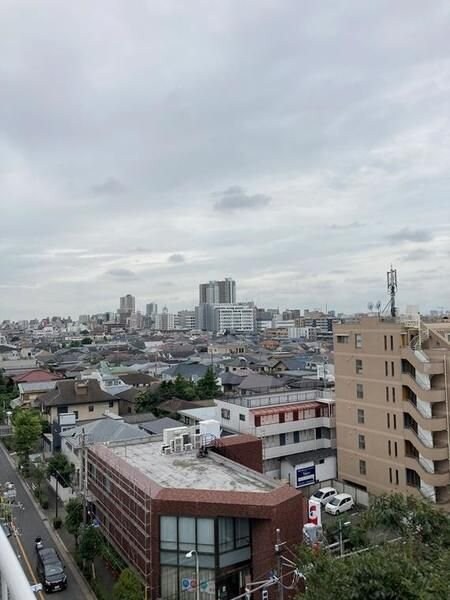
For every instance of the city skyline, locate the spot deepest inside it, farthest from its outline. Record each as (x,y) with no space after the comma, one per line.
(301,155)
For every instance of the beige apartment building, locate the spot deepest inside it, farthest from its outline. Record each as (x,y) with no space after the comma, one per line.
(392,405)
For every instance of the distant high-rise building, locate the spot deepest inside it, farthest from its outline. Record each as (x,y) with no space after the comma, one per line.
(226,317)
(164,321)
(218,292)
(128,303)
(151,309)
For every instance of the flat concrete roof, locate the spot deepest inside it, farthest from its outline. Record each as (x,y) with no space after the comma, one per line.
(184,470)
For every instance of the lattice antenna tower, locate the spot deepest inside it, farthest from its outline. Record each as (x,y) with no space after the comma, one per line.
(392,287)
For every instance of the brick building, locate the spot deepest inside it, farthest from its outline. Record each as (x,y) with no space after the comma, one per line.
(155,507)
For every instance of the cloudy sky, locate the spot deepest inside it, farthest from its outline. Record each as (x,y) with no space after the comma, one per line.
(148,145)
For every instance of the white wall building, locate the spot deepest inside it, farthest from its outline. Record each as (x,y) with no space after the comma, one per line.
(291,424)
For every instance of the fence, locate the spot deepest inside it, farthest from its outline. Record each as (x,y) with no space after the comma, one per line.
(64,493)
(360,496)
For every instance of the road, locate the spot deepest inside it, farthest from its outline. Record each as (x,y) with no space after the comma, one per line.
(29,526)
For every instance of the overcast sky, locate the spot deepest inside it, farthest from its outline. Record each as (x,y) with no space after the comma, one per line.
(149,145)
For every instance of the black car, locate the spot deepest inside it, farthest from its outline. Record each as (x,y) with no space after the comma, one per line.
(50,570)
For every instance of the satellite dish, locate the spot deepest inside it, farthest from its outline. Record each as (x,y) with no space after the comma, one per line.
(370,306)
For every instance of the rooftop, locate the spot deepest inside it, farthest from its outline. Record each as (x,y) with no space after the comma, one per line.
(186,471)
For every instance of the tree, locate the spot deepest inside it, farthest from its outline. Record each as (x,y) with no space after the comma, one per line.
(8,391)
(27,431)
(59,467)
(38,472)
(207,387)
(86,341)
(91,543)
(128,587)
(74,518)
(414,565)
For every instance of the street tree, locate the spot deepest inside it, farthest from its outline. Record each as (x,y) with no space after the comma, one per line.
(91,543)
(61,469)
(74,517)
(128,587)
(27,431)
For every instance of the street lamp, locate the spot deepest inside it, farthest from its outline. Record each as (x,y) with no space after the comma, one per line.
(190,554)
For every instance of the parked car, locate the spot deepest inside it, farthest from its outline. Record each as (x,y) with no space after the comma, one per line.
(325,494)
(50,569)
(339,504)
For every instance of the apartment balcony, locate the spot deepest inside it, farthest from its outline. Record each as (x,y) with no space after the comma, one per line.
(428,423)
(288,449)
(436,452)
(422,362)
(299,425)
(432,395)
(433,479)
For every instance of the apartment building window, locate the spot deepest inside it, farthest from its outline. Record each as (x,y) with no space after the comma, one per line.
(386,368)
(392,343)
(392,368)
(342,339)
(393,394)
(360,415)
(358,340)
(394,419)
(385,342)
(362,467)
(389,448)
(111,403)
(396,477)
(359,391)
(91,408)
(390,475)
(241,417)
(395,449)
(296,437)
(387,394)
(225,414)
(388,419)
(282,439)
(361,442)
(358,366)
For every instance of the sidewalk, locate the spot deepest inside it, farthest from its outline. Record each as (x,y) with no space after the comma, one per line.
(103,574)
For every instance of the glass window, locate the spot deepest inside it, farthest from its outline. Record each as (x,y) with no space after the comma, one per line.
(242,532)
(168,533)
(362,467)
(296,437)
(360,415)
(186,533)
(226,534)
(91,408)
(205,535)
(358,340)
(358,366)
(359,391)
(225,413)
(241,417)
(361,442)
(342,339)
(282,439)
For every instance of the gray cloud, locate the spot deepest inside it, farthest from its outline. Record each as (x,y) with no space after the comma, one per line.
(121,274)
(121,165)
(410,235)
(176,258)
(109,187)
(418,255)
(235,198)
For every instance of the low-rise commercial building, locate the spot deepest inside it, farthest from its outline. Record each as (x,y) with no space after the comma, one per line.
(290,424)
(165,509)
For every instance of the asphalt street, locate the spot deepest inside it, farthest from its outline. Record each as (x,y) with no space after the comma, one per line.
(29,525)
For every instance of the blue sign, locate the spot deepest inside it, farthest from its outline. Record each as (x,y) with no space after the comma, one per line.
(305,476)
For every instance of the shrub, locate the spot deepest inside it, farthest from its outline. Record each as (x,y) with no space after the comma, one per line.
(57,522)
(44,501)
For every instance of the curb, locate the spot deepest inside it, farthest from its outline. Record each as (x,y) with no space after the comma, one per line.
(81,581)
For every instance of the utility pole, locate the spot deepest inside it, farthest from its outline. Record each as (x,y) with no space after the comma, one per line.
(83,482)
(279,565)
